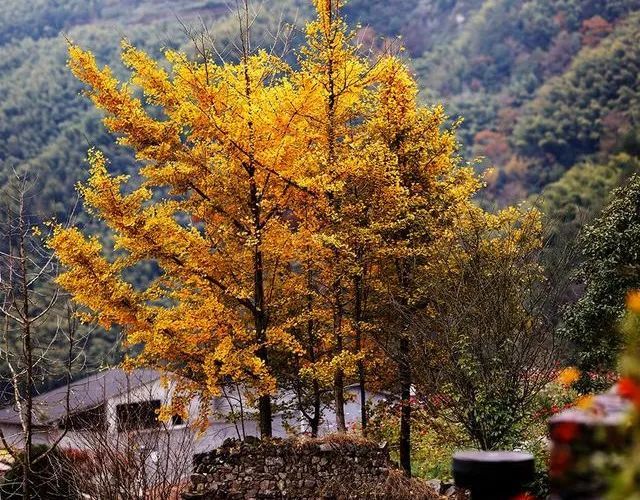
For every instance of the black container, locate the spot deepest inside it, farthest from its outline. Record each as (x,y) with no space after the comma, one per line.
(493,475)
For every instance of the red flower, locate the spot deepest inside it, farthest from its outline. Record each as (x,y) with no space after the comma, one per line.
(524,496)
(565,432)
(629,389)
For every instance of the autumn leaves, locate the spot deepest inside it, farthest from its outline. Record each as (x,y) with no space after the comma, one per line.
(292,212)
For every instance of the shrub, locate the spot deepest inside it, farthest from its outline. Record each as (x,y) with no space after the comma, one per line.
(433,439)
(50,479)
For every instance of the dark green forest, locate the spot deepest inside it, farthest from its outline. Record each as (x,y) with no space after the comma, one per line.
(548,88)
(542,85)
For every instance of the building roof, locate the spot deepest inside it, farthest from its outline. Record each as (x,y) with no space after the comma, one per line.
(92,391)
(84,394)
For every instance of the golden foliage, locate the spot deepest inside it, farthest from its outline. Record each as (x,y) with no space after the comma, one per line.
(568,376)
(269,197)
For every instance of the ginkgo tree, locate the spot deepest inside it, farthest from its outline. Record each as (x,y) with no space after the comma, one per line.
(224,172)
(433,187)
(292,211)
(219,175)
(345,82)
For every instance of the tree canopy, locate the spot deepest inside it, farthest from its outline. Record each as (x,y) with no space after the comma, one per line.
(609,272)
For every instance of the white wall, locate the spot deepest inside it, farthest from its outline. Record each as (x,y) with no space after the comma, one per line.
(15,437)
(179,443)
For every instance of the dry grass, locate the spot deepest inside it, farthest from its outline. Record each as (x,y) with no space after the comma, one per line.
(336,440)
(396,486)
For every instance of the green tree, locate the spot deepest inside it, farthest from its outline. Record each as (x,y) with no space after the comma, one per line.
(580,194)
(610,248)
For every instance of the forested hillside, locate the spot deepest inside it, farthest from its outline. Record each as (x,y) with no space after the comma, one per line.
(540,83)
(45,125)
(548,89)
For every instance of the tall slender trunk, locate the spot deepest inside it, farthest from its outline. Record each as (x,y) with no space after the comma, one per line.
(358,318)
(338,377)
(260,318)
(28,357)
(314,422)
(264,402)
(260,321)
(404,373)
(364,418)
(338,395)
(404,370)
(259,314)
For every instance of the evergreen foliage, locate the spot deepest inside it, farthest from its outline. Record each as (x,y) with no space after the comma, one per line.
(610,270)
(568,117)
(579,196)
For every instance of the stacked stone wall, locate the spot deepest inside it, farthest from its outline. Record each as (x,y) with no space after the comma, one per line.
(288,469)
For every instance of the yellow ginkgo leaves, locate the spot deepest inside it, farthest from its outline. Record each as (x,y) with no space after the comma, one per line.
(275,202)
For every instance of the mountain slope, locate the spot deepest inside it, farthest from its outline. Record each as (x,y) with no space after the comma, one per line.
(509,69)
(507,66)
(45,125)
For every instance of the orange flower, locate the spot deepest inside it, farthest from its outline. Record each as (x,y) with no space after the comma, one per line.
(633,301)
(629,389)
(585,402)
(568,376)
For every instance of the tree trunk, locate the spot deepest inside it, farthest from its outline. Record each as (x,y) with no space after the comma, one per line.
(259,313)
(338,394)
(315,420)
(264,403)
(338,378)
(358,313)
(364,418)
(260,320)
(264,406)
(404,371)
(405,413)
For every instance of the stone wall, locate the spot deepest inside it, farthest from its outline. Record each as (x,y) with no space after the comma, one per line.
(288,469)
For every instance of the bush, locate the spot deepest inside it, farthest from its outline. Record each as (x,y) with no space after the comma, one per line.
(433,440)
(50,479)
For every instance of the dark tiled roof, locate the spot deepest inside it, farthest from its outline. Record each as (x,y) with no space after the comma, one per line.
(85,393)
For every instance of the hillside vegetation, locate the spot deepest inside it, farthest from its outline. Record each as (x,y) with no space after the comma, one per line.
(541,84)
(46,126)
(548,89)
